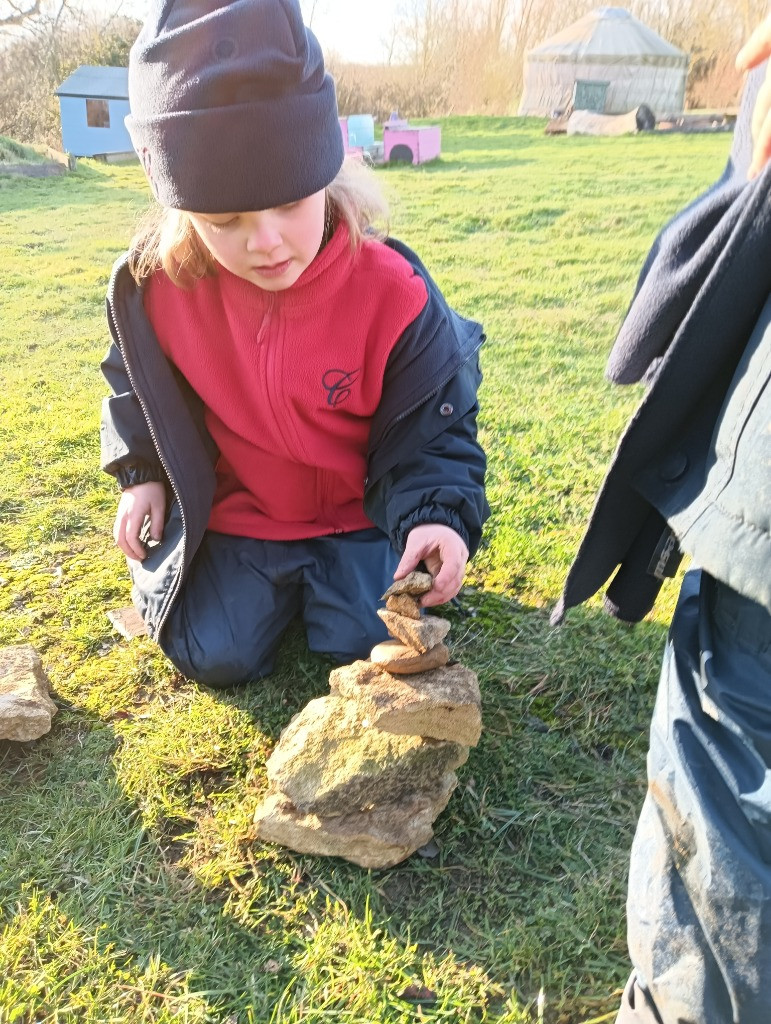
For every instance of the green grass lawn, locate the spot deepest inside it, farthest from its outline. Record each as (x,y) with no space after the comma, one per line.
(130,886)
(15,153)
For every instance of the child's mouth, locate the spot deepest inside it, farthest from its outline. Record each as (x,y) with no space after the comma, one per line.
(273,269)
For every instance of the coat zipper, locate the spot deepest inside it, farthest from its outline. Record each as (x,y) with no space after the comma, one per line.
(148,419)
(426,398)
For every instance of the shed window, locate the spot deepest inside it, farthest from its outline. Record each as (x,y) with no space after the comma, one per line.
(98,113)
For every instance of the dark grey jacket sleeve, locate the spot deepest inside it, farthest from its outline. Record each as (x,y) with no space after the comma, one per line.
(432,469)
(128,452)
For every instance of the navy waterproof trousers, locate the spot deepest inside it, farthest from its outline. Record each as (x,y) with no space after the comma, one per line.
(241,594)
(699,903)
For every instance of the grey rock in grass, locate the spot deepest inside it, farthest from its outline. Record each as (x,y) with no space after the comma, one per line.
(413,583)
(26,710)
(376,838)
(394,656)
(422,634)
(404,604)
(331,761)
(444,704)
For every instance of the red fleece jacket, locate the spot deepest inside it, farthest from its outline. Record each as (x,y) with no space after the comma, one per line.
(290,381)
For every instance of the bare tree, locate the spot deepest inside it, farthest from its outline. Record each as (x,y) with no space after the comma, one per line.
(12,14)
(39,53)
(497,17)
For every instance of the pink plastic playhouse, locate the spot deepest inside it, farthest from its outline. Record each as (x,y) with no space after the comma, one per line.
(402,142)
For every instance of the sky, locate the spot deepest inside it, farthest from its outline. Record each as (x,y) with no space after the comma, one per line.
(353,29)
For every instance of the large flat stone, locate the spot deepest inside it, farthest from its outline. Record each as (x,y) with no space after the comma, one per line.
(376,838)
(26,710)
(330,761)
(444,704)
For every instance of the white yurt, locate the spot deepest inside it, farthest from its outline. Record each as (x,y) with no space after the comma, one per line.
(607,61)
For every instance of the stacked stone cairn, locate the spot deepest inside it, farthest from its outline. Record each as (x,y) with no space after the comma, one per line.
(363,772)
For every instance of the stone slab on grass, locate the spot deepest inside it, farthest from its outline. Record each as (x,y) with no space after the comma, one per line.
(377,838)
(128,622)
(443,704)
(330,762)
(26,710)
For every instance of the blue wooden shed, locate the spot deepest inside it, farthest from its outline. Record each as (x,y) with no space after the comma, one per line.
(93,102)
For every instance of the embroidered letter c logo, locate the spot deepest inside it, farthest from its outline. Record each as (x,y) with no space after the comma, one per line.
(337,384)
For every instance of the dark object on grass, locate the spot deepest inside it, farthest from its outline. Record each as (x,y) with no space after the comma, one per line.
(645,118)
(417,994)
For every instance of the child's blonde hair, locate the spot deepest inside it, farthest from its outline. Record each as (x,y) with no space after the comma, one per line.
(167,239)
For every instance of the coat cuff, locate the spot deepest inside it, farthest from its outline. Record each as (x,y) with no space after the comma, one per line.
(439,515)
(138,473)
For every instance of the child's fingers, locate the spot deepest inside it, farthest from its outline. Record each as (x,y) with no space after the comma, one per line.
(408,562)
(134,547)
(157,515)
(757,47)
(420,546)
(119,531)
(762,106)
(137,504)
(443,590)
(761,129)
(123,537)
(447,582)
(128,524)
(444,555)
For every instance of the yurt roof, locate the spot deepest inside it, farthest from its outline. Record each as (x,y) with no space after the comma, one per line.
(608,35)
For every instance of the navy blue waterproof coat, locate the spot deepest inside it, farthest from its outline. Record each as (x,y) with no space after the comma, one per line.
(691,472)
(424,462)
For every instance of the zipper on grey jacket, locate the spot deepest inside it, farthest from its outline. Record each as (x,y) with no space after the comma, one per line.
(170,597)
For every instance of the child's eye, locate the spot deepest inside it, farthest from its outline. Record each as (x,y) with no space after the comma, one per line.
(220,225)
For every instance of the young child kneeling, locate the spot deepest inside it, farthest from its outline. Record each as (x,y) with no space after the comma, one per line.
(293,412)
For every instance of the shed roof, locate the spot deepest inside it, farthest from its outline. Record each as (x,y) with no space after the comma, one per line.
(91,81)
(612,35)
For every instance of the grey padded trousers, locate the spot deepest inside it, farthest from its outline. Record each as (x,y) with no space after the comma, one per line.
(699,901)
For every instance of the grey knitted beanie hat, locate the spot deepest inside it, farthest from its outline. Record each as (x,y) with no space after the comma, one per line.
(231,108)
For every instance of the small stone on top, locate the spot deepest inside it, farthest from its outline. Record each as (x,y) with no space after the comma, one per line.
(413,583)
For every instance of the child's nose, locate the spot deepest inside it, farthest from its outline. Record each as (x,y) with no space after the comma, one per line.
(262,232)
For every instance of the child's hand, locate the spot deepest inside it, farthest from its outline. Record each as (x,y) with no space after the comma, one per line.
(445,556)
(755,50)
(136,504)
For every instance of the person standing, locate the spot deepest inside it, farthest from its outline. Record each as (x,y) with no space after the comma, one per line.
(692,475)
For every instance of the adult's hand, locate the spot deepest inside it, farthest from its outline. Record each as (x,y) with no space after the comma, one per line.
(754,52)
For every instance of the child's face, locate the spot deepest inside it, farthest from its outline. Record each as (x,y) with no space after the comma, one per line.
(270,248)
